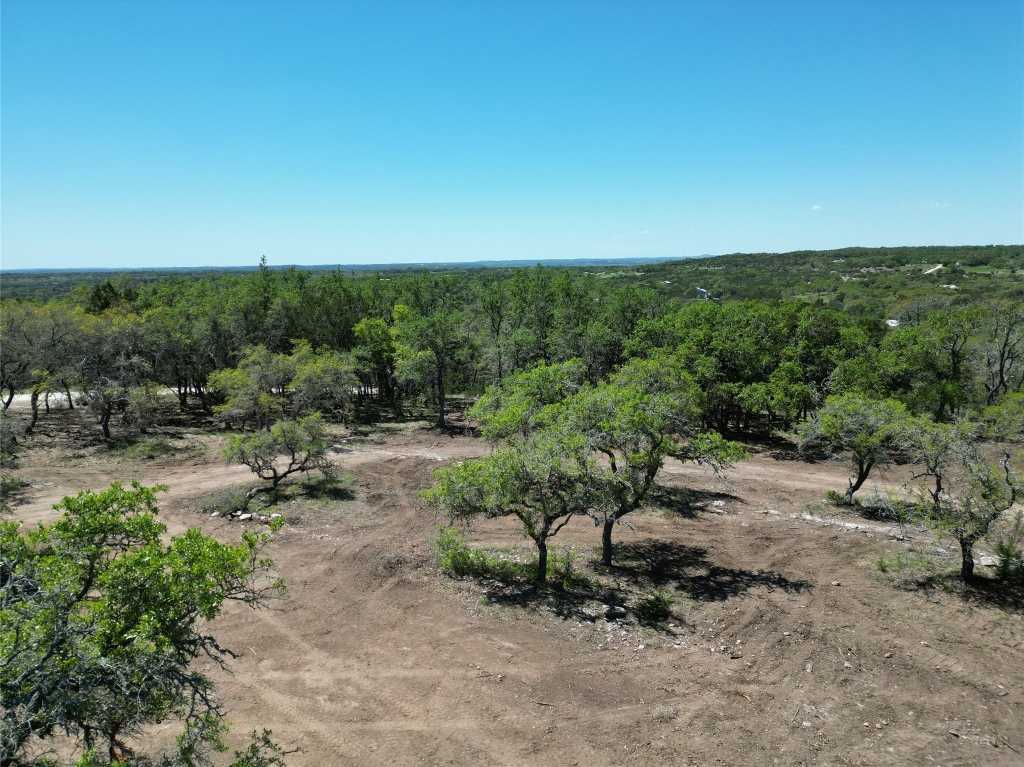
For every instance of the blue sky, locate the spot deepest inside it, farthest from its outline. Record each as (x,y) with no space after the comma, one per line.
(178,133)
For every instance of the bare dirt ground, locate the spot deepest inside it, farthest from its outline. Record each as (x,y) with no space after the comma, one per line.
(786,648)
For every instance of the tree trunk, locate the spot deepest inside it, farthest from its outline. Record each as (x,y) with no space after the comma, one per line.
(35,412)
(67,392)
(46,402)
(967,563)
(855,484)
(441,423)
(606,542)
(105,424)
(542,562)
(10,396)
(937,493)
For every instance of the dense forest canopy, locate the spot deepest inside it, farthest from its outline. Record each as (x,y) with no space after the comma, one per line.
(767,338)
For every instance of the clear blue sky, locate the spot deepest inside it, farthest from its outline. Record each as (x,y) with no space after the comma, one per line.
(147,133)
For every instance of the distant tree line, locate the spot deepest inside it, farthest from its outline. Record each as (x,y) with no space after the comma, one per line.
(256,346)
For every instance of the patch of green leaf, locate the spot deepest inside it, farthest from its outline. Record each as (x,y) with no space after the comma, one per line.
(655,608)
(151,448)
(456,558)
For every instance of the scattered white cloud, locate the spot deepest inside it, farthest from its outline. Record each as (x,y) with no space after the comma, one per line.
(816,206)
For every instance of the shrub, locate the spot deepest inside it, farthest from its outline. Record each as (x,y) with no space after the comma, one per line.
(456,558)
(905,564)
(151,448)
(655,607)
(226,501)
(1010,551)
(839,499)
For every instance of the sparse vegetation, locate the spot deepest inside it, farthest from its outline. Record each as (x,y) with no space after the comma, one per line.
(457,558)
(655,608)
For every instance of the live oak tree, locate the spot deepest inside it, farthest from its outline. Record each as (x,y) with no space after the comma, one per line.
(873,431)
(429,347)
(114,374)
(514,407)
(544,481)
(286,448)
(254,390)
(978,493)
(647,412)
(265,386)
(1001,349)
(101,617)
(938,448)
(1004,421)
(376,353)
(323,381)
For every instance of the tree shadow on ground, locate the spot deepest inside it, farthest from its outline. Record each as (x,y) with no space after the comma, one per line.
(574,603)
(686,502)
(1007,594)
(335,489)
(12,491)
(688,569)
(639,567)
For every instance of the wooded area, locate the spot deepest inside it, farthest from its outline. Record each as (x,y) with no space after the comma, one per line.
(586,383)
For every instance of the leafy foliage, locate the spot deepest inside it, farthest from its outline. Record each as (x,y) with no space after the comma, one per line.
(538,481)
(873,431)
(303,443)
(100,619)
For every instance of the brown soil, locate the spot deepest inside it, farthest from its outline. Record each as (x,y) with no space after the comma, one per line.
(786,646)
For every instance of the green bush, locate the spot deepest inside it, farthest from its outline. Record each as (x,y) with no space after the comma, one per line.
(226,501)
(151,448)
(655,607)
(839,499)
(455,557)
(1010,551)
(905,563)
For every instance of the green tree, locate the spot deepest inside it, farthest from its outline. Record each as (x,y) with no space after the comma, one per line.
(650,410)
(254,391)
(286,448)
(377,354)
(101,616)
(1004,421)
(938,448)
(978,495)
(874,431)
(429,347)
(513,406)
(323,380)
(543,481)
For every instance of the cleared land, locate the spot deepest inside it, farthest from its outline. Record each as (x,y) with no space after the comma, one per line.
(787,645)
